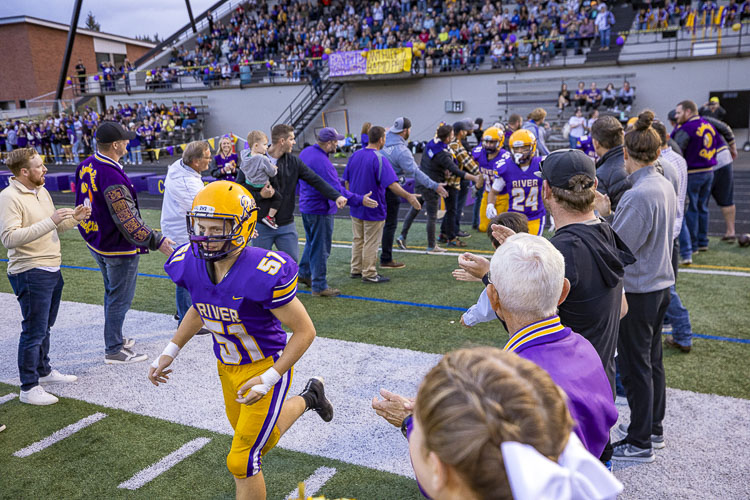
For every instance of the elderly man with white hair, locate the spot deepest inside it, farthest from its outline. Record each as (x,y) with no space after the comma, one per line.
(527,284)
(184,180)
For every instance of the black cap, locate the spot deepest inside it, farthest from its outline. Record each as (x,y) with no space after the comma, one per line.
(467,125)
(672,116)
(109,132)
(562,165)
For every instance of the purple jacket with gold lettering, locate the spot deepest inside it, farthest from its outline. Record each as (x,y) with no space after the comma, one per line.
(115,227)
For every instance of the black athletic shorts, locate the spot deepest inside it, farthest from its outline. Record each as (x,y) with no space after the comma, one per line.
(722,188)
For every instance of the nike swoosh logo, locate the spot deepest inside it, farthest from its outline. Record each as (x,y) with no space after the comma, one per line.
(236,298)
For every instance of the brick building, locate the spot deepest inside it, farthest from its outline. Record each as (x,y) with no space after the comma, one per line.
(33,50)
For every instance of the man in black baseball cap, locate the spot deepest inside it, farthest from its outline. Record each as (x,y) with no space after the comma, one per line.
(115,233)
(562,166)
(109,132)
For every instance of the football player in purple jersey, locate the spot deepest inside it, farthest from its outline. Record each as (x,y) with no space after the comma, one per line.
(243,295)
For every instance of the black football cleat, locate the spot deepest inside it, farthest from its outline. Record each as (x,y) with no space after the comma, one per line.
(314,395)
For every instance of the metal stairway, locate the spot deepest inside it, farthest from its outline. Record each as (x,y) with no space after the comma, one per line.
(306,106)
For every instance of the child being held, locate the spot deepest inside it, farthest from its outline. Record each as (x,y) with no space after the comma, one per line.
(259,172)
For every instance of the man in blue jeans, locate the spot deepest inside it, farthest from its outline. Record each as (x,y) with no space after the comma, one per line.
(29,227)
(697,138)
(318,211)
(115,233)
(290,170)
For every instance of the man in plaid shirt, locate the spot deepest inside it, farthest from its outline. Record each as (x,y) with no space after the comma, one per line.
(457,189)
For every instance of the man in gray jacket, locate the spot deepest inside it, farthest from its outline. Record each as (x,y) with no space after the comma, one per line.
(607,135)
(397,152)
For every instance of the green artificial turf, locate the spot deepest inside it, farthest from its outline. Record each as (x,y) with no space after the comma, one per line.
(94,461)
(717,304)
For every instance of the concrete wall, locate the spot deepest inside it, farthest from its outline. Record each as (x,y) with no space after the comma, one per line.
(659,87)
(229,110)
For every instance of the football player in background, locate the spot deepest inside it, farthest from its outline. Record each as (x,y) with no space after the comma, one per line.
(586,144)
(489,156)
(243,295)
(519,181)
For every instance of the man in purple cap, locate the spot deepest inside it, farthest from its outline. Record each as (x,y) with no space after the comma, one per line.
(115,233)
(318,211)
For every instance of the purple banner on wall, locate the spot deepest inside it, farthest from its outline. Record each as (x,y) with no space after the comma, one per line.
(347,63)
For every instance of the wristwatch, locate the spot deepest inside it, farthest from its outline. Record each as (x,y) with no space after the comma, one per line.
(486,279)
(405,425)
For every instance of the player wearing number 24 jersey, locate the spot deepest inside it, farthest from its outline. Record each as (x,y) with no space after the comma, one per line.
(519,178)
(243,295)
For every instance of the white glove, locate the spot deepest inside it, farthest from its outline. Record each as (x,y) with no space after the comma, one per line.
(491,211)
(269,378)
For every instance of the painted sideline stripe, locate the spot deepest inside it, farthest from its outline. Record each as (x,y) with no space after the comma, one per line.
(314,482)
(703,271)
(8,397)
(59,435)
(446,308)
(153,471)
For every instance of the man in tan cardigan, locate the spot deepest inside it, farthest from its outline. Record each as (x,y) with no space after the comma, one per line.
(29,228)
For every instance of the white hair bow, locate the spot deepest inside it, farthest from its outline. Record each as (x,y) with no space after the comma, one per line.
(577,475)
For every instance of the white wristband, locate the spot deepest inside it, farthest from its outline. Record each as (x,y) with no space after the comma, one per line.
(172,350)
(269,379)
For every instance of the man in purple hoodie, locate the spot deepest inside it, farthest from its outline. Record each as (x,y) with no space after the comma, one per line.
(318,211)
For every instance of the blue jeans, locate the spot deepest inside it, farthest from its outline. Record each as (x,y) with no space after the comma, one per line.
(465,186)
(285,238)
(604,37)
(573,141)
(38,292)
(696,214)
(679,318)
(183,301)
(686,250)
(119,275)
(314,262)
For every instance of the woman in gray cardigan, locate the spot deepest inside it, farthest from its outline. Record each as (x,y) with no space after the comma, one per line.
(643,220)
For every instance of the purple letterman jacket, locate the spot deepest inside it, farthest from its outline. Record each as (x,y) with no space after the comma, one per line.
(115,227)
(698,140)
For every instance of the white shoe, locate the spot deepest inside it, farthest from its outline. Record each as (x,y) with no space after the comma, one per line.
(2,428)
(55,377)
(128,343)
(38,396)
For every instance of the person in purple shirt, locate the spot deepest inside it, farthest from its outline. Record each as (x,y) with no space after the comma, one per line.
(318,211)
(369,172)
(527,284)
(226,161)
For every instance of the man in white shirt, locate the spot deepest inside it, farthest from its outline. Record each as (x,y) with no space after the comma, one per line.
(180,187)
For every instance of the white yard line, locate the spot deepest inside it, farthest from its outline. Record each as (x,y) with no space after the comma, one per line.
(8,397)
(314,482)
(59,435)
(153,471)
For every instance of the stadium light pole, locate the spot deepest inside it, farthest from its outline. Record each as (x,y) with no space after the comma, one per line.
(66,58)
(190,14)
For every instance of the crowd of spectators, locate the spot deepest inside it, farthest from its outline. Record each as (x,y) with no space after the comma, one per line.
(287,39)
(705,13)
(67,138)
